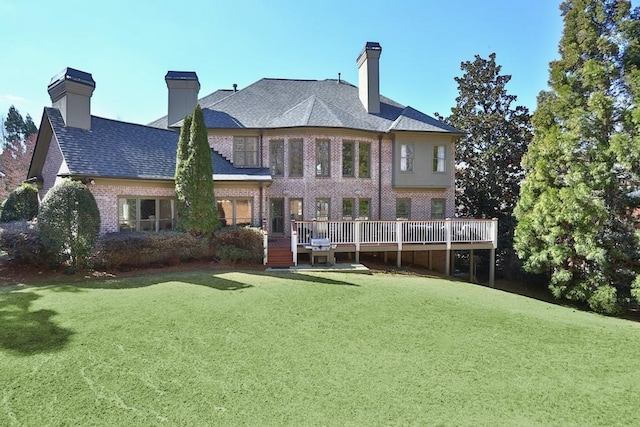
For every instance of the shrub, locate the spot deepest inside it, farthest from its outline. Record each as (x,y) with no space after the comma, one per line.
(239,243)
(21,241)
(139,248)
(22,204)
(69,223)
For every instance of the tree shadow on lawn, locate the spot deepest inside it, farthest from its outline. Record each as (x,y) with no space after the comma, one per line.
(302,277)
(26,332)
(215,279)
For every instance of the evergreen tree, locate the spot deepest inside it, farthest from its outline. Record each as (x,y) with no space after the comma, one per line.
(194,181)
(488,156)
(575,214)
(180,178)
(14,126)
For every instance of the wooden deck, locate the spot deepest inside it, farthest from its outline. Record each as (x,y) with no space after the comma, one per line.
(394,236)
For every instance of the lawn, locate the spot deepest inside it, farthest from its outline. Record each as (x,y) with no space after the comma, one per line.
(252,348)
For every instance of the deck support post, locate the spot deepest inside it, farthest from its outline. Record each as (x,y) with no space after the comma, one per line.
(447,231)
(399,259)
(472,267)
(447,263)
(492,268)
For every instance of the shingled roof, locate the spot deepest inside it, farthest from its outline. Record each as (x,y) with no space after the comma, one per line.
(280,103)
(116,149)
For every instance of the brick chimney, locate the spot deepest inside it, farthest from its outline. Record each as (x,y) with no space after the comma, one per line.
(369,77)
(183,94)
(70,92)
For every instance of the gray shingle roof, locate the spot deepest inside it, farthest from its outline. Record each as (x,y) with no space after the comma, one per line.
(208,100)
(118,149)
(280,103)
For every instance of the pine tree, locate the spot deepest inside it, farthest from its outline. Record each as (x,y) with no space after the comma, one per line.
(488,156)
(14,126)
(194,181)
(575,214)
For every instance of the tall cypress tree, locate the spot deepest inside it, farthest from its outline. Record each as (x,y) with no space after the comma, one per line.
(180,181)
(575,214)
(194,180)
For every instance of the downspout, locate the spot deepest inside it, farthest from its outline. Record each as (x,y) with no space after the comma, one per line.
(379,177)
(260,204)
(261,149)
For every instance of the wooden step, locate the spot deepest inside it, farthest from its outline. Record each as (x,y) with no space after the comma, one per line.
(280,257)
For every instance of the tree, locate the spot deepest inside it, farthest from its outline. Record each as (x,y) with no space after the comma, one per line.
(22,204)
(180,178)
(14,164)
(69,223)
(488,156)
(13,125)
(575,215)
(194,180)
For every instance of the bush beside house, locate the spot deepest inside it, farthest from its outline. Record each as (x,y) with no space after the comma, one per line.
(22,204)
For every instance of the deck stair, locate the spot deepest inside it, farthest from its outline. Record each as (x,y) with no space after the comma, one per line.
(279,254)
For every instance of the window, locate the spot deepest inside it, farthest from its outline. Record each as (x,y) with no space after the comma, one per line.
(245,151)
(348,163)
(322,208)
(347,208)
(439,156)
(364,160)
(235,211)
(295,209)
(364,208)
(322,158)
(437,208)
(136,214)
(407,154)
(276,157)
(295,157)
(403,208)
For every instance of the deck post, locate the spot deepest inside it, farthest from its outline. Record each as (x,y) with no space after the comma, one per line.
(356,239)
(472,266)
(492,268)
(265,241)
(399,243)
(447,232)
(492,261)
(294,242)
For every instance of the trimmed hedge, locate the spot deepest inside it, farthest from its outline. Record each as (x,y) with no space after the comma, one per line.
(142,248)
(69,223)
(21,241)
(239,244)
(22,204)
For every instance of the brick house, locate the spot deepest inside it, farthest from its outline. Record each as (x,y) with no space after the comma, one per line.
(282,150)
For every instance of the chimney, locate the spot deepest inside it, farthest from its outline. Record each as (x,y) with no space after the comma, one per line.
(70,92)
(369,77)
(183,94)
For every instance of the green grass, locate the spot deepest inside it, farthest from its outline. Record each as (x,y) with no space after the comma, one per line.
(244,348)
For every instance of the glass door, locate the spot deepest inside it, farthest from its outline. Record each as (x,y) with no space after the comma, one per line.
(276,216)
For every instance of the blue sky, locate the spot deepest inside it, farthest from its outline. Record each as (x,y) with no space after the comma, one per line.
(129,45)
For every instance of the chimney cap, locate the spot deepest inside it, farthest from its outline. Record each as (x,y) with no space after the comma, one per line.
(181,75)
(73,75)
(373,46)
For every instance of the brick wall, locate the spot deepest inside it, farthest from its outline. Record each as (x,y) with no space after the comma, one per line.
(106,196)
(336,187)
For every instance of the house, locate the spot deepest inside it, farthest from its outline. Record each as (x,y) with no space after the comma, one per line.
(282,150)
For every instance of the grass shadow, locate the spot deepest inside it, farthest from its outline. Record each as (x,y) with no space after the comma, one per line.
(301,276)
(197,277)
(24,331)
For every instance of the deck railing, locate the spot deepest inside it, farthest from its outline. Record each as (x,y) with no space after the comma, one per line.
(399,232)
